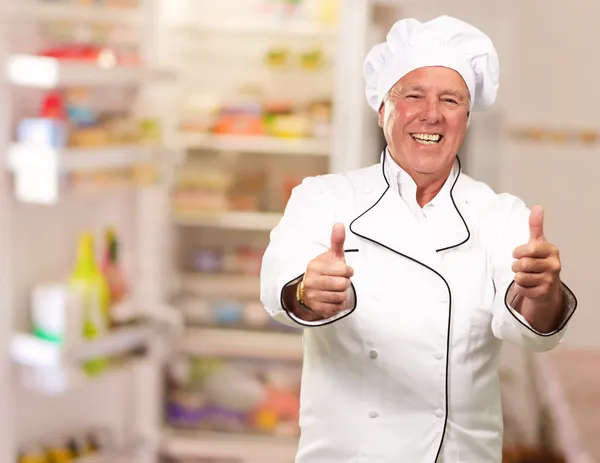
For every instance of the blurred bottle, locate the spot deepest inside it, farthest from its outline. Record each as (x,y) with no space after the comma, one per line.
(91,289)
(59,452)
(53,107)
(32,454)
(115,277)
(49,128)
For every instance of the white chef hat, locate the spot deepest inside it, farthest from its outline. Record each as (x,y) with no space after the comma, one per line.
(444,41)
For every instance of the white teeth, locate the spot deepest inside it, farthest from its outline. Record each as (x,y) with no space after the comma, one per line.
(428,137)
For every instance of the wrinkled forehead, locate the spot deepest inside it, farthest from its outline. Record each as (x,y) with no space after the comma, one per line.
(434,79)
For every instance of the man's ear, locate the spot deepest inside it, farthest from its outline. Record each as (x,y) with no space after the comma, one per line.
(380,115)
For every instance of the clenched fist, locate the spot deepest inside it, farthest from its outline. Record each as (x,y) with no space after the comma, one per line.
(327,278)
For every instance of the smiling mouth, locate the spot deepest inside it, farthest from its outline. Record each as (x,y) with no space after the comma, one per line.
(427,138)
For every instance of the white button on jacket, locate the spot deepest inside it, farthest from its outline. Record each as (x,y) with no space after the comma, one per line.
(431,305)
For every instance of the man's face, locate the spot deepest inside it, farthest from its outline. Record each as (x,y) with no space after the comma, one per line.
(424,119)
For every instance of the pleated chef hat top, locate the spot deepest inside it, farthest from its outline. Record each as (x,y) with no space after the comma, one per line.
(444,41)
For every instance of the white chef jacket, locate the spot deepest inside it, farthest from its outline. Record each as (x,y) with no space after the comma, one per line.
(409,373)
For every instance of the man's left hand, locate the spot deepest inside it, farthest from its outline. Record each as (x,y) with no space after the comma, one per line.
(537,277)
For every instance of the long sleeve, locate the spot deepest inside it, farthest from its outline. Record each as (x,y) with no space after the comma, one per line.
(303,233)
(510,226)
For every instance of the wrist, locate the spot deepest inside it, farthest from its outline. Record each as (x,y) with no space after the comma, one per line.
(292,305)
(544,314)
(301,301)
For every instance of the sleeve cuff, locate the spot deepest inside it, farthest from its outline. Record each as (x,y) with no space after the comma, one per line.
(570,306)
(351,303)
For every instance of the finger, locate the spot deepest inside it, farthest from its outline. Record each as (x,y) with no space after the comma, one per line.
(531,280)
(336,268)
(329,297)
(326,283)
(338,236)
(532,265)
(535,249)
(327,309)
(535,292)
(536,224)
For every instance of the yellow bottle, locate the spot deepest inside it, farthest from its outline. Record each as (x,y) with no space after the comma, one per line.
(91,289)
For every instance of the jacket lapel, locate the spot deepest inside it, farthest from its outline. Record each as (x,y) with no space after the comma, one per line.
(388,222)
(450,227)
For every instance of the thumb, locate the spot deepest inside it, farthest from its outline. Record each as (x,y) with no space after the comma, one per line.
(536,223)
(338,236)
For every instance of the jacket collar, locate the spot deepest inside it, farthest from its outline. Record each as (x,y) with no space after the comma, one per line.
(389,222)
(403,184)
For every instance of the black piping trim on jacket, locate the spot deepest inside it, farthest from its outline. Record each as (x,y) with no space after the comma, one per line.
(455,207)
(297,319)
(446,393)
(568,294)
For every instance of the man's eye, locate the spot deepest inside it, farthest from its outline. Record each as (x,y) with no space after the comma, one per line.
(450,100)
(413,96)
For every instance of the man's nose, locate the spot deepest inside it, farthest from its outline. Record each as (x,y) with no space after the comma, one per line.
(431,112)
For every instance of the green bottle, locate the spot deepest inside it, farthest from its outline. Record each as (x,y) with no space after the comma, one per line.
(90,286)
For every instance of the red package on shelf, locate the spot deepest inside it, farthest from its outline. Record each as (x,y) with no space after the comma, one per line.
(89,54)
(73,52)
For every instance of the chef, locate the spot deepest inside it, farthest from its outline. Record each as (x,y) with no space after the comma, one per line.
(408,275)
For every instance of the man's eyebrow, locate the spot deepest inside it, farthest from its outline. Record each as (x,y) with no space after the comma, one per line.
(412,88)
(454,93)
(419,88)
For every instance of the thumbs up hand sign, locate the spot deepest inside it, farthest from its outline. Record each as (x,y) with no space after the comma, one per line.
(327,278)
(537,266)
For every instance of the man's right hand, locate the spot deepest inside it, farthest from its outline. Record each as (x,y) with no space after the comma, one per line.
(327,278)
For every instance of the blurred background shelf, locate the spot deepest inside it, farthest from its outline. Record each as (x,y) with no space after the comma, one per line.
(211,284)
(246,447)
(43,72)
(255,144)
(49,369)
(38,10)
(22,155)
(30,350)
(128,453)
(282,28)
(249,221)
(214,342)
(107,458)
